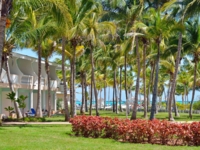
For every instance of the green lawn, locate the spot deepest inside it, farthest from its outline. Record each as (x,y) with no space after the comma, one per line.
(160,115)
(58,137)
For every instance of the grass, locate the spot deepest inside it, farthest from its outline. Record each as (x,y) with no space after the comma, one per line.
(160,115)
(58,137)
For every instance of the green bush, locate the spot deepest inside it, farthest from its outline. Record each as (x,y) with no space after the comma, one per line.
(34,119)
(182,106)
(196,105)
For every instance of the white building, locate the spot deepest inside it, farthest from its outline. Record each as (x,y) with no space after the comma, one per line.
(24,76)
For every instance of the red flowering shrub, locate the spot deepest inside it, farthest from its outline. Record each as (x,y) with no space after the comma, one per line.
(195,129)
(137,131)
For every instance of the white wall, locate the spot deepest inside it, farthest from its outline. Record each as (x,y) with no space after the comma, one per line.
(5,102)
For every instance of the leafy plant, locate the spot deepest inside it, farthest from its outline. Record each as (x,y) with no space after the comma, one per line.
(9,109)
(196,105)
(11,96)
(59,104)
(137,131)
(182,106)
(21,100)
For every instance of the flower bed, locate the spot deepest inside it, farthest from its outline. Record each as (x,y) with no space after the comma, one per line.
(137,131)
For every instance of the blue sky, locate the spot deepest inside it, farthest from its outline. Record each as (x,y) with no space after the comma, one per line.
(31,53)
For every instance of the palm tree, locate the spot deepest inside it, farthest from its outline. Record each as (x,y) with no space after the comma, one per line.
(193,46)
(67,116)
(103,57)
(5,6)
(40,29)
(134,114)
(48,47)
(183,82)
(190,9)
(158,30)
(78,11)
(81,67)
(92,30)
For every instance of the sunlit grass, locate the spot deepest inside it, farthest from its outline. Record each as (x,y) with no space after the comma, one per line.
(60,137)
(109,113)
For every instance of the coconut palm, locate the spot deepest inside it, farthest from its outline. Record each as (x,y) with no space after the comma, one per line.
(78,11)
(103,57)
(191,8)
(183,82)
(5,6)
(193,48)
(158,30)
(92,29)
(35,29)
(48,47)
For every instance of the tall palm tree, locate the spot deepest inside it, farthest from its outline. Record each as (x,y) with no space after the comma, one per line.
(93,28)
(34,29)
(103,57)
(134,114)
(190,9)
(78,11)
(5,6)
(48,47)
(158,30)
(193,48)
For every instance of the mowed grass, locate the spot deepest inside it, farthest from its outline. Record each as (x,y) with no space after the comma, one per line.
(160,115)
(60,137)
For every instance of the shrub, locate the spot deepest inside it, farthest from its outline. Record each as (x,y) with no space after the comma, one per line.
(196,105)
(137,131)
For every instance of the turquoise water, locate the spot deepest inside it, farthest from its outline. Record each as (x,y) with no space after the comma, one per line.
(108,103)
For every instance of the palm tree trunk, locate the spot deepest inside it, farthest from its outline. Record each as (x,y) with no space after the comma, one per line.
(115,93)
(168,94)
(175,108)
(67,116)
(82,110)
(144,80)
(104,90)
(5,6)
(0,8)
(1,68)
(134,113)
(126,92)
(120,91)
(74,82)
(154,98)
(150,84)
(49,87)
(113,103)
(86,95)
(2,35)
(91,96)
(71,88)
(93,80)
(16,105)
(174,77)
(38,109)
(193,89)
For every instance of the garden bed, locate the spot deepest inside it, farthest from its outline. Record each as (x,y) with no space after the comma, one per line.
(137,131)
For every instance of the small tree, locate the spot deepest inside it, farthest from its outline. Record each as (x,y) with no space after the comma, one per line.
(22,104)
(21,100)
(11,96)
(196,105)
(59,104)
(9,109)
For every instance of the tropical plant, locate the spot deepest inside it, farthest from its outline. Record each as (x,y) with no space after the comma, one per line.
(159,29)
(9,109)
(22,104)
(196,105)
